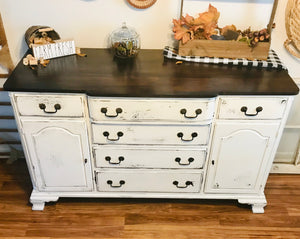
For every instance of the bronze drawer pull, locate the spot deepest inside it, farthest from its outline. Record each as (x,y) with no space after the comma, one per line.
(197,112)
(56,107)
(110,183)
(118,111)
(258,109)
(187,183)
(119,134)
(108,158)
(178,160)
(180,135)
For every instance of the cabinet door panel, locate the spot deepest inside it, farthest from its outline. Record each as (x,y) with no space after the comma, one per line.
(240,153)
(59,154)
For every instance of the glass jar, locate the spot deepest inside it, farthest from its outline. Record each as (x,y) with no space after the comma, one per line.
(125,42)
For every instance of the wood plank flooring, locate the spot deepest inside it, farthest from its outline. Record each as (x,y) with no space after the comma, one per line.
(146,218)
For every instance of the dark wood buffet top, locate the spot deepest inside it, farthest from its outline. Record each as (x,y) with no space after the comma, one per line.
(147,75)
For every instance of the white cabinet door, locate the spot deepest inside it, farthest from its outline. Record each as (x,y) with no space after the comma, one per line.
(240,153)
(58,154)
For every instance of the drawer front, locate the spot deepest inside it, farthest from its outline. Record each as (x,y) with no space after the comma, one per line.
(150,134)
(141,110)
(149,157)
(148,181)
(50,105)
(252,108)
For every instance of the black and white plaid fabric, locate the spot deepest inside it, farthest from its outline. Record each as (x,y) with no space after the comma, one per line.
(273,61)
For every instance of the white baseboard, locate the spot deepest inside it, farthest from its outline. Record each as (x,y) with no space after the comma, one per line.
(285,168)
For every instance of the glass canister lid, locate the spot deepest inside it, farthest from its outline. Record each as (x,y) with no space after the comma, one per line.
(124,33)
(125,41)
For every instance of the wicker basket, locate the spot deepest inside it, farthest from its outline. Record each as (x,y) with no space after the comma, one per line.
(292,25)
(141,4)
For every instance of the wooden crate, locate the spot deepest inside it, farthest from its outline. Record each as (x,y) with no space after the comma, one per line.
(227,49)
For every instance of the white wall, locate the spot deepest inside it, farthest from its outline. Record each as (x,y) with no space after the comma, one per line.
(90,22)
(278,38)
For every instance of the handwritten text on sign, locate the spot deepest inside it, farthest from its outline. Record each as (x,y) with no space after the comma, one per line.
(53,50)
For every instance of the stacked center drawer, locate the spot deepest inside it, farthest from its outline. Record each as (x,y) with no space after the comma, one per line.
(150,145)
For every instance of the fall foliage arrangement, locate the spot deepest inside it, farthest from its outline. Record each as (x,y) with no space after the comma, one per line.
(205,26)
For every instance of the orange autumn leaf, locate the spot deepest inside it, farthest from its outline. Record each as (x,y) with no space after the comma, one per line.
(209,17)
(209,30)
(181,32)
(185,27)
(208,20)
(188,20)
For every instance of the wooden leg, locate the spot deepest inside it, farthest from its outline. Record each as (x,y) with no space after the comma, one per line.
(38,200)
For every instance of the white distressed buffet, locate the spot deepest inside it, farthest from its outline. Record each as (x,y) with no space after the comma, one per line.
(148,128)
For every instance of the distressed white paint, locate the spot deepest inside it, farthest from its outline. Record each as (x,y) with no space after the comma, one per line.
(59,153)
(239,155)
(243,151)
(30,105)
(149,157)
(151,109)
(150,134)
(149,181)
(272,108)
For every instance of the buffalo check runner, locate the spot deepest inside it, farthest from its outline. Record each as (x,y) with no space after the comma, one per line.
(273,61)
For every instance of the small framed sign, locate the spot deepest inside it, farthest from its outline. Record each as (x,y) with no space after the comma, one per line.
(52,50)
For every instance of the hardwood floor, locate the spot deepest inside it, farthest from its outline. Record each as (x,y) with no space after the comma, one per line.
(145,218)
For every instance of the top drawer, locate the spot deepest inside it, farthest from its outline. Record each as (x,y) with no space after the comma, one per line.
(151,109)
(50,105)
(252,108)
